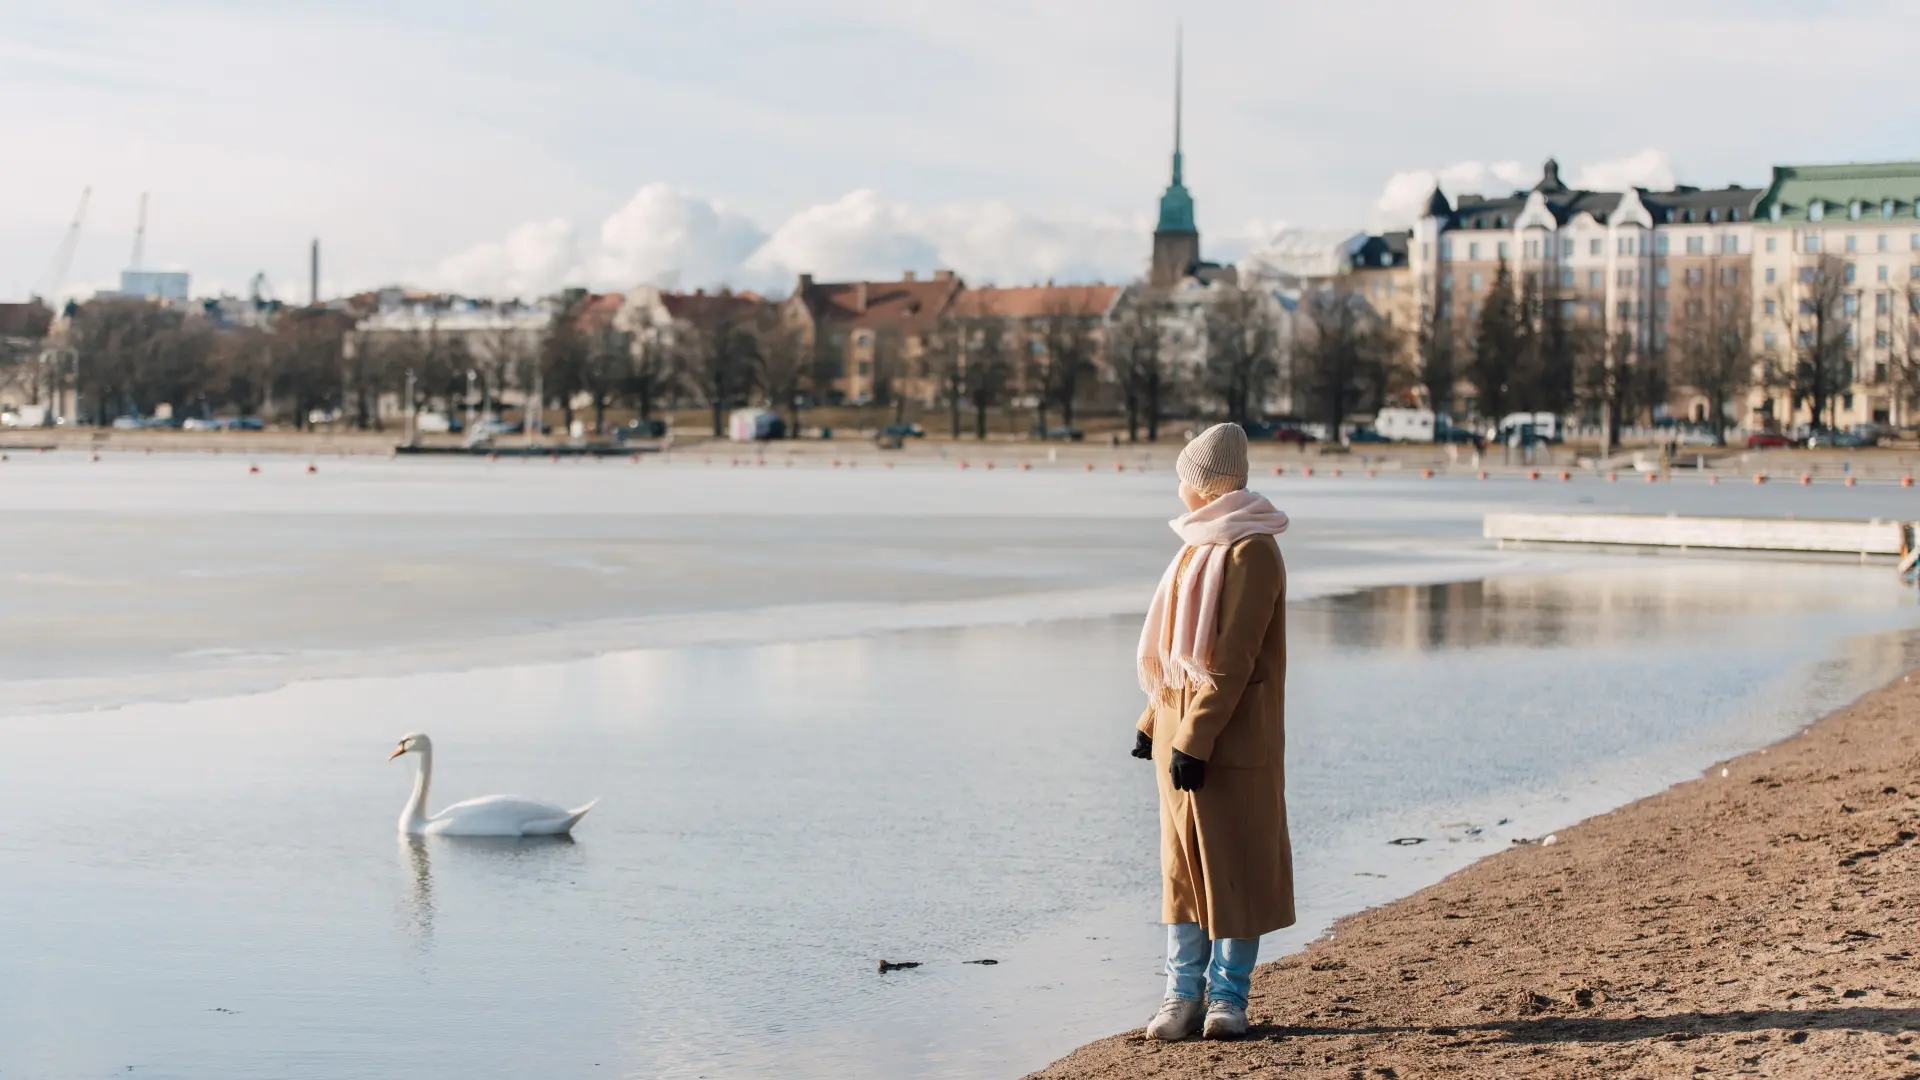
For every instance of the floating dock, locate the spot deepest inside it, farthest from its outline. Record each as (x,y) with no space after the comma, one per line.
(1874,540)
(558,450)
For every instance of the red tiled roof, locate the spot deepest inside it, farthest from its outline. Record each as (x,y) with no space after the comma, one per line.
(702,306)
(1031,301)
(914,304)
(28,320)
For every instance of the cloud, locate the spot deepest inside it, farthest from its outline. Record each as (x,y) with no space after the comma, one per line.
(669,237)
(1404,198)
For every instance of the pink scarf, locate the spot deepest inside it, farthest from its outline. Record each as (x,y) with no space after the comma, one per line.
(1176,645)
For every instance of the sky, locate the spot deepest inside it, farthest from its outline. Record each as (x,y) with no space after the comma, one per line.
(508,149)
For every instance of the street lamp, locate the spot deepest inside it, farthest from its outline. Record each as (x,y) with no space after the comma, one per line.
(52,357)
(411,410)
(471,375)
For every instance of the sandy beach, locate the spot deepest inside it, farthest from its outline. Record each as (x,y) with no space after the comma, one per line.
(1757,921)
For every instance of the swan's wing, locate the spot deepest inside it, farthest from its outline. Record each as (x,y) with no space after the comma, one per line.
(494,815)
(559,826)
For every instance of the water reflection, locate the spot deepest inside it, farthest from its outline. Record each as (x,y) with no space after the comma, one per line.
(418,863)
(1602,607)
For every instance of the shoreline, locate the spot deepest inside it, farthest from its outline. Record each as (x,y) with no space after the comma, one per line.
(1759,919)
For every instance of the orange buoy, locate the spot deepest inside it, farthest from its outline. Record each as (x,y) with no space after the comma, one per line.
(889,464)
(253,468)
(1089,466)
(1426,474)
(96,457)
(1759,478)
(1308,471)
(1653,478)
(1533,474)
(312,468)
(1565,475)
(1277,470)
(1026,466)
(1849,481)
(836,463)
(1117,467)
(1613,478)
(1371,474)
(1336,472)
(1713,479)
(1906,481)
(1805,479)
(1483,474)
(963,466)
(989,466)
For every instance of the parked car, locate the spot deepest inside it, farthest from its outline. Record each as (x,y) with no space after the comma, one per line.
(1695,437)
(245,423)
(126,423)
(1844,440)
(1768,440)
(1366,435)
(1459,436)
(903,431)
(200,423)
(1063,434)
(638,429)
(1294,435)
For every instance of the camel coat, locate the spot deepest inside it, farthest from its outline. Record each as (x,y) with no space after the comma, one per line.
(1225,857)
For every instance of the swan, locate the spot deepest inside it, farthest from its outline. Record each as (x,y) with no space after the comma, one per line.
(489,815)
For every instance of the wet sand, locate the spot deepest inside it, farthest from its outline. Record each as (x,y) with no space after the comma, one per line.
(1758,921)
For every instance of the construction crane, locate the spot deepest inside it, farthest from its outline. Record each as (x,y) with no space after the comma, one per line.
(139,236)
(63,258)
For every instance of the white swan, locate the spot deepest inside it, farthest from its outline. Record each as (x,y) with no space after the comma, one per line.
(490,815)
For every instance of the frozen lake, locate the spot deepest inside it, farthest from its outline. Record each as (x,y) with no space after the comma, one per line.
(833,717)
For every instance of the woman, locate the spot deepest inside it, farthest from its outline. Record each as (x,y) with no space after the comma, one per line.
(1213,661)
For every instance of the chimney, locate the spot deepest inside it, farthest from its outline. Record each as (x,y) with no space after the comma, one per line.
(806,282)
(943,275)
(906,275)
(860,296)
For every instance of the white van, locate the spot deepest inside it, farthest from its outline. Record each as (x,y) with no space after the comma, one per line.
(1405,425)
(1546,426)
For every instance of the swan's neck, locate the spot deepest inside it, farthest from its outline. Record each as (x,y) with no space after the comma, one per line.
(415,814)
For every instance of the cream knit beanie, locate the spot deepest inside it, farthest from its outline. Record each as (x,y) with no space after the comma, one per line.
(1215,462)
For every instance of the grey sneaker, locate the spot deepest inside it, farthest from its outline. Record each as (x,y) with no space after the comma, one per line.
(1177,1019)
(1225,1020)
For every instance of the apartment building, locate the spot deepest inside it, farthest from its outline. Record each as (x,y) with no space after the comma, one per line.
(1866,219)
(1638,266)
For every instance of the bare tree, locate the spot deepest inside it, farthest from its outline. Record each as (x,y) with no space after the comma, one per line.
(989,368)
(784,362)
(1343,357)
(1815,308)
(1903,350)
(1437,345)
(722,352)
(944,364)
(1714,355)
(653,368)
(1136,344)
(609,357)
(1243,351)
(1070,341)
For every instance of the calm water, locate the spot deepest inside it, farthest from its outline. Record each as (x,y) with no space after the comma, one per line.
(213,888)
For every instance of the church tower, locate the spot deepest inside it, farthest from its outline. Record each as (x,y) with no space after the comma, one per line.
(1176,239)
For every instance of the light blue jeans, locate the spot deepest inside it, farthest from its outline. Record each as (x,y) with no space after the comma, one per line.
(1224,968)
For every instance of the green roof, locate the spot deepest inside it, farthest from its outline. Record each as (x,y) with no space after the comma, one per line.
(1882,188)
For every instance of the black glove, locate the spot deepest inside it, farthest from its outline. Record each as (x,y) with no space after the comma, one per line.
(1189,772)
(1142,745)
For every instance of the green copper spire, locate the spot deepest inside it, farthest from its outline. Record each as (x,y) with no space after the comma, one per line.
(1176,206)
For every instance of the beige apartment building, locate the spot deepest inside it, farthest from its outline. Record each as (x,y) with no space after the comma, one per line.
(1866,216)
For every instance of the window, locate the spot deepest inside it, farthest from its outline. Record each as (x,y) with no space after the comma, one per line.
(1853,242)
(1886,208)
(1696,245)
(1816,210)
(1853,211)
(1880,242)
(1849,273)
(1695,275)
(1882,302)
(1881,273)
(1810,242)
(1853,303)
(1880,338)
(1694,308)
(1625,309)
(1566,247)
(1913,241)
(1593,245)
(1594,279)
(1473,310)
(1772,308)
(1566,277)
(1426,251)
(863,339)
(864,367)
(1729,275)
(1770,275)
(1773,242)
(1660,244)
(1806,273)
(1473,252)
(1623,277)
(1729,244)
(1446,309)
(1660,276)
(1807,307)
(1503,249)
(1446,251)
(1446,282)
(1659,309)
(1594,310)
(1659,339)
(1473,281)
(1914,271)
(1806,339)
(1566,309)
(1531,247)
(1733,214)
(1767,339)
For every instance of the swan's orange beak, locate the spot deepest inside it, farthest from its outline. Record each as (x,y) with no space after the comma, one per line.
(397,752)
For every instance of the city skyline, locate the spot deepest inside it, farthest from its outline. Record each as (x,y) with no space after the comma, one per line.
(498,155)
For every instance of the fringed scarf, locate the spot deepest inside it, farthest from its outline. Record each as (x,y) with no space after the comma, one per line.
(1176,645)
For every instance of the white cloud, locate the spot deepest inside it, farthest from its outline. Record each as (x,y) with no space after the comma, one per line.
(668,237)
(1649,168)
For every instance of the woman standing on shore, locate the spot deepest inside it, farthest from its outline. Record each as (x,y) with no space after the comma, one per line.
(1213,661)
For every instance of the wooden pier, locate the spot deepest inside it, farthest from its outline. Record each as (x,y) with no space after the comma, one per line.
(1874,540)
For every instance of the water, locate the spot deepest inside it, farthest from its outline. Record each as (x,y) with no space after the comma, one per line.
(915,764)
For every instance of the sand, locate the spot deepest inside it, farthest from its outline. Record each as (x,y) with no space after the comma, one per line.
(1761,920)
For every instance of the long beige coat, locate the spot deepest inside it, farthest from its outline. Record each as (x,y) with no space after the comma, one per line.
(1224,851)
